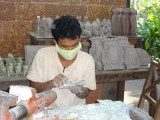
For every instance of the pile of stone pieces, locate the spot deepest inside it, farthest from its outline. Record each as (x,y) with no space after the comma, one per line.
(114,53)
(12,66)
(104,110)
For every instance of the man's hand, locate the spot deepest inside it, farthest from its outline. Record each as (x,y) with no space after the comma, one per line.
(59,80)
(80,91)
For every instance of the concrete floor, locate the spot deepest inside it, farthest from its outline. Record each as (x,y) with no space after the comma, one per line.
(133,91)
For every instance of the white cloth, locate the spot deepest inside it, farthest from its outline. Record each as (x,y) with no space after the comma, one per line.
(46,65)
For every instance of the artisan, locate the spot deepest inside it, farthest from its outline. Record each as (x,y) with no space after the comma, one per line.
(53,67)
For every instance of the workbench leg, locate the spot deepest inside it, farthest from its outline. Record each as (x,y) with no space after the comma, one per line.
(120,90)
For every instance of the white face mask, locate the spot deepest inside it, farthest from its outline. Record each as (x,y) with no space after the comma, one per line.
(68,54)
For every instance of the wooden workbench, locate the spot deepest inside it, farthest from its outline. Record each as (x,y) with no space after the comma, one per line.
(101,77)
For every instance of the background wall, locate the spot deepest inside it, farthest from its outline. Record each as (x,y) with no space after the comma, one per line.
(17,17)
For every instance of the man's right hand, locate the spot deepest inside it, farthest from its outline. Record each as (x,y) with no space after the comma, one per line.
(60,80)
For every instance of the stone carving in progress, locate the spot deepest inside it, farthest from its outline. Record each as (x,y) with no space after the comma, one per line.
(96,50)
(125,22)
(133,22)
(132,60)
(119,21)
(85,46)
(115,22)
(144,57)
(112,55)
(45,27)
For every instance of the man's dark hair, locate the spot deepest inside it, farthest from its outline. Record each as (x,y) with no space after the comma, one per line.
(66,27)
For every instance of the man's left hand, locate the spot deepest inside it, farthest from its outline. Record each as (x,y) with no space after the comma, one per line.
(80,91)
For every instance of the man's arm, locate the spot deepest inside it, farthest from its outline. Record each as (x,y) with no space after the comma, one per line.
(40,87)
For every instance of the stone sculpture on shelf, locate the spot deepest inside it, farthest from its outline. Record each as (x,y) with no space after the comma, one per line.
(132,60)
(96,50)
(119,21)
(95,29)
(114,21)
(85,19)
(125,22)
(87,29)
(112,55)
(56,17)
(12,66)
(144,57)
(2,67)
(98,66)
(85,46)
(45,27)
(133,22)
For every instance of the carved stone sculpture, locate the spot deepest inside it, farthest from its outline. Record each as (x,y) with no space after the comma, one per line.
(98,22)
(115,22)
(132,60)
(87,29)
(96,50)
(85,19)
(133,22)
(45,27)
(56,17)
(95,29)
(98,66)
(125,22)
(112,55)
(144,57)
(85,46)
(25,70)
(119,21)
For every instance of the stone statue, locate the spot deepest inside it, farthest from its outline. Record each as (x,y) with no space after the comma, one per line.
(56,17)
(98,66)
(132,60)
(45,27)
(115,22)
(144,57)
(98,22)
(85,46)
(87,29)
(96,49)
(125,22)
(112,55)
(133,22)
(95,29)
(85,19)
(119,21)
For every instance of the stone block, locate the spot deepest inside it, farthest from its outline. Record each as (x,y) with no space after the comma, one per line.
(90,1)
(29,11)
(101,12)
(16,30)
(50,10)
(79,10)
(7,11)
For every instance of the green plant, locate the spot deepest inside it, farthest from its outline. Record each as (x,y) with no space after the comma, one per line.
(150,29)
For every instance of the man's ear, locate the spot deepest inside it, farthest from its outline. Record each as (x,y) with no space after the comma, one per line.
(54,42)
